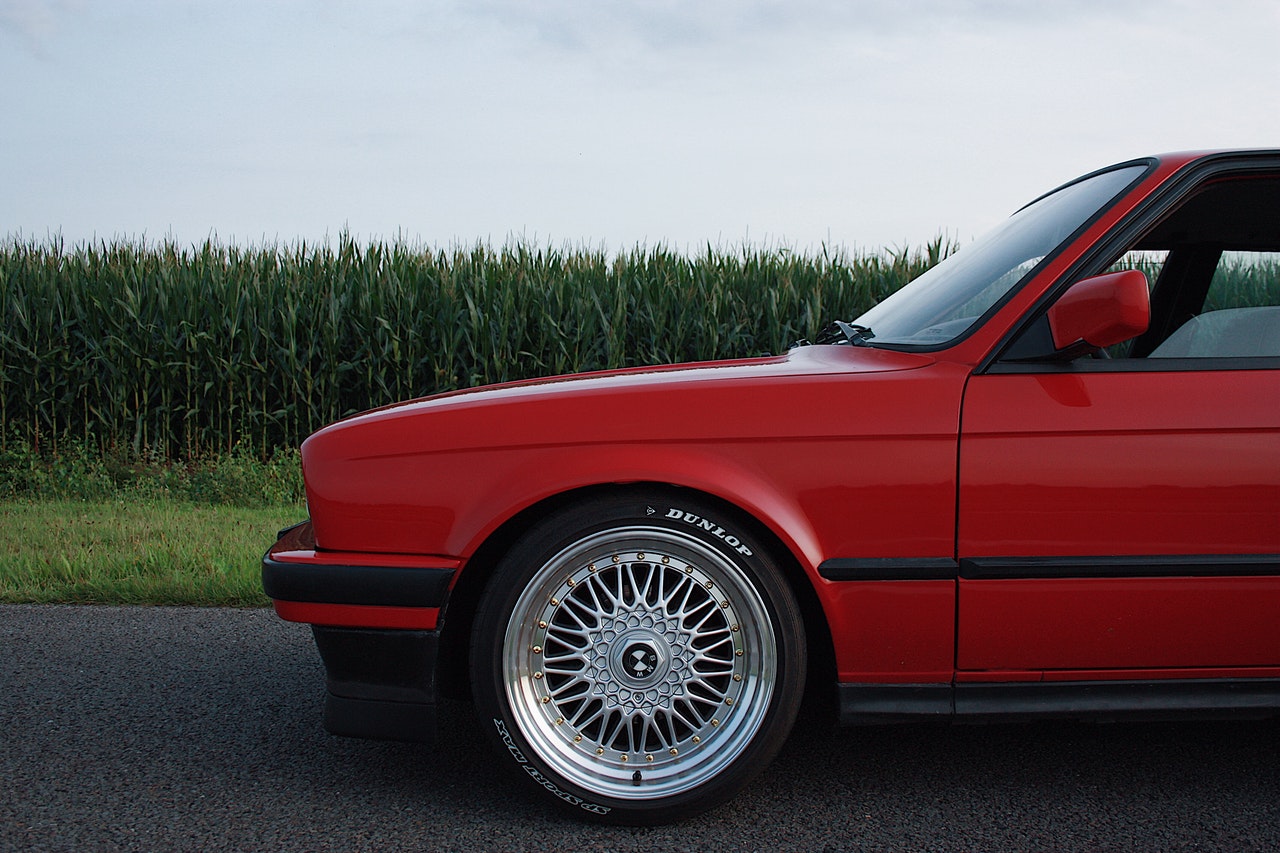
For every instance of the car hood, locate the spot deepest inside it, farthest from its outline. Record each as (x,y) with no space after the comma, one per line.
(795,364)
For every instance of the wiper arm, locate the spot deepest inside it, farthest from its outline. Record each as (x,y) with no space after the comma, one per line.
(840,333)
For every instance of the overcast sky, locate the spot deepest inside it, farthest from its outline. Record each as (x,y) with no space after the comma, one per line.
(865,125)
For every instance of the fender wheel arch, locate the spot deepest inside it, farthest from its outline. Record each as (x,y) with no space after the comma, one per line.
(453,671)
(646,600)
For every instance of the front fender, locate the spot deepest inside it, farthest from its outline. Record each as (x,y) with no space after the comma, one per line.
(705,469)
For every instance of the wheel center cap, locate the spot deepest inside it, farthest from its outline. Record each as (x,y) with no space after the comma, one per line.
(640,659)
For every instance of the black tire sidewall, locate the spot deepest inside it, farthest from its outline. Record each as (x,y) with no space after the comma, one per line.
(720,529)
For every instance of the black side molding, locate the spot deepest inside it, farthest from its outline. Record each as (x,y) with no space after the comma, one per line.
(1011,568)
(889,569)
(1142,566)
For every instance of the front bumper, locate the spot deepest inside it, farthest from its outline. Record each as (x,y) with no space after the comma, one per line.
(375,618)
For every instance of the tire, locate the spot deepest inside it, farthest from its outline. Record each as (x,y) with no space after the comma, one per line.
(639,657)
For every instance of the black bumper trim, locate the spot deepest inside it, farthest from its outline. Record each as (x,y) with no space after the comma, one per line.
(376,720)
(388,586)
(381,682)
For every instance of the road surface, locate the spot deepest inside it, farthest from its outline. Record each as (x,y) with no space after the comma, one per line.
(193,729)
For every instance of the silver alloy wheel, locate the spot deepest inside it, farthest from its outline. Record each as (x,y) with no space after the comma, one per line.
(639,662)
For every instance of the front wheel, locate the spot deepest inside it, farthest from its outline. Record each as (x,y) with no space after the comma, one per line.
(641,659)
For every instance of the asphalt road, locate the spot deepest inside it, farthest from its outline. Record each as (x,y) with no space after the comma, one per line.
(188,729)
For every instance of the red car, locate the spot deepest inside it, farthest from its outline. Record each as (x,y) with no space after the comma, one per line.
(1043,479)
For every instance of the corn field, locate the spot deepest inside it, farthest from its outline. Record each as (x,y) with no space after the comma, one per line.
(181,352)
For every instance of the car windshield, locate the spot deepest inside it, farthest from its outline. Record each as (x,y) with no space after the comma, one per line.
(946,301)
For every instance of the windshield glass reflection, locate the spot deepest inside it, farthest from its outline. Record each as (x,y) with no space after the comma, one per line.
(946,301)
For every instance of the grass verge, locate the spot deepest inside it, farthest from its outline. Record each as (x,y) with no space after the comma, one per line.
(136,552)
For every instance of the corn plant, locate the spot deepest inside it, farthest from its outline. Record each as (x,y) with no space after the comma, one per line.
(187,351)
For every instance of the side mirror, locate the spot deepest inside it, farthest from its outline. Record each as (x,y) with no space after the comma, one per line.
(1100,311)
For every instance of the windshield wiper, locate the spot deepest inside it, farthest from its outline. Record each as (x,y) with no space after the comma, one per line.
(840,333)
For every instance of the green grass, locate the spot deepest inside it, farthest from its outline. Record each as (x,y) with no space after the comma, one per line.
(79,526)
(127,552)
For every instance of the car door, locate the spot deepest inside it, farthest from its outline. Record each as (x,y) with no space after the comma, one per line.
(1120,521)
(1120,518)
